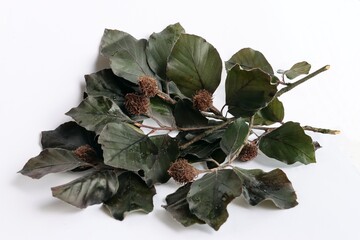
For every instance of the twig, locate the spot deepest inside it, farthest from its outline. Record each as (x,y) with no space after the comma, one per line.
(297,83)
(207,132)
(166,97)
(307,128)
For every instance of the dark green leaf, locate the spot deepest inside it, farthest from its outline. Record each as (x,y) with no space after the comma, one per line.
(288,144)
(67,136)
(186,116)
(51,160)
(248,59)
(127,147)
(106,83)
(178,207)
(162,111)
(297,70)
(209,196)
(94,113)
(234,137)
(274,185)
(133,194)
(273,112)
(91,189)
(200,149)
(159,48)
(126,54)
(194,64)
(168,152)
(217,155)
(247,91)
(174,90)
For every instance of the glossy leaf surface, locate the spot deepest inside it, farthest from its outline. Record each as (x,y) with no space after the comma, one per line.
(247,91)
(234,136)
(178,207)
(126,54)
(194,64)
(94,113)
(133,195)
(209,196)
(159,47)
(51,160)
(248,58)
(127,147)
(274,185)
(91,189)
(288,144)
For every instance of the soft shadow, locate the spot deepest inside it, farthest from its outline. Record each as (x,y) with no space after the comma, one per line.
(266,204)
(273,163)
(58,206)
(170,222)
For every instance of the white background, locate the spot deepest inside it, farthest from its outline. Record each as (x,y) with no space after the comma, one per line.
(47,46)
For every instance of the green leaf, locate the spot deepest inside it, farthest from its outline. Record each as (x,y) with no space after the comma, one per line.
(298,69)
(133,195)
(68,136)
(234,137)
(273,112)
(162,111)
(200,149)
(159,47)
(248,59)
(168,152)
(186,116)
(178,207)
(126,54)
(247,91)
(94,113)
(209,196)
(127,147)
(288,144)
(51,160)
(91,189)
(274,185)
(106,83)
(217,155)
(194,64)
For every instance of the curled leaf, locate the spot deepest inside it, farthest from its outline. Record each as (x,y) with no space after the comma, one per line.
(133,195)
(274,185)
(94,188)
(178,207)
(209,196)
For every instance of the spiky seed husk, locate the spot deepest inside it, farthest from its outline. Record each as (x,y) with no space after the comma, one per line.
(148,86)
(136,104)
(182,171)
(202,100)
(249,152)
(86,153)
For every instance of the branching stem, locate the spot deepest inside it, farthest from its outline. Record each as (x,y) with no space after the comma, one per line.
(307,128)
(206,133)
(304,79)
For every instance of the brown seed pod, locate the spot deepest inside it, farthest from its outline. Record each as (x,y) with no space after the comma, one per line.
(202,100)
(136,104)
(86,153)
(249,152)
(148,86)
(182,171)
